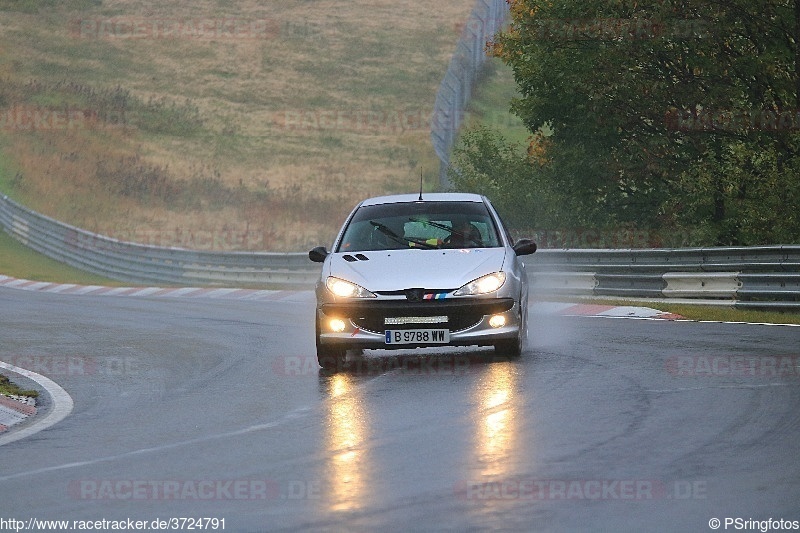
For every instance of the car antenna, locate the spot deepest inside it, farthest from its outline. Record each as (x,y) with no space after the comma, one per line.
(420,185)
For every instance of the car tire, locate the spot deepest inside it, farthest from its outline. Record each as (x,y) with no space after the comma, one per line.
(514,347)
(330,358)
(509,348)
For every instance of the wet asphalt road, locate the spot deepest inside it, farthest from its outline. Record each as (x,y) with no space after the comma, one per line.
(217,409)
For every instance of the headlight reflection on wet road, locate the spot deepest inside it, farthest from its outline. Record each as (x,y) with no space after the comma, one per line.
(346,433)
(497,421)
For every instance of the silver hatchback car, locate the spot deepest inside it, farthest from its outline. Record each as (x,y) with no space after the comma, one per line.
(410,271)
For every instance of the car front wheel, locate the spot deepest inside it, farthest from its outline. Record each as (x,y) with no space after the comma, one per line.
(514,347)
(509,347)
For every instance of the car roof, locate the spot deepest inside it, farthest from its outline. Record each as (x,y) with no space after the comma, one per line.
(426,197)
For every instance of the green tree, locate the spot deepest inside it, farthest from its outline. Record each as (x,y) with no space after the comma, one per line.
(511,175)
(665,113)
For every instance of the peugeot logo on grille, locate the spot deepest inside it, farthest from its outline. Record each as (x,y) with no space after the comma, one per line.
(415,295)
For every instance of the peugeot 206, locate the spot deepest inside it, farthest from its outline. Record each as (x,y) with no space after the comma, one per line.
(408,271)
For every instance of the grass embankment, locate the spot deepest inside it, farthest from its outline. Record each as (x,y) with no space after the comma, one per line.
(729,314)
(265,119)
(8,387)
(19,261)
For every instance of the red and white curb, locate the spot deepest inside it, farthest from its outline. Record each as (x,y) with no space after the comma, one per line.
(153,292)
(552,308)
(17,411)
(13,412)
(610,311)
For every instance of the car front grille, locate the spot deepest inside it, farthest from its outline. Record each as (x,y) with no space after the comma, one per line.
(378,324)
(460,314)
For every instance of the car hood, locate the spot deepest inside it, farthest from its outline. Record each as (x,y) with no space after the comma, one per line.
(393,270)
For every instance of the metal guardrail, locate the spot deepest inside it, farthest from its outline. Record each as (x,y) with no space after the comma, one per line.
(137,263)
(766,277)
(487,17)
(761,276)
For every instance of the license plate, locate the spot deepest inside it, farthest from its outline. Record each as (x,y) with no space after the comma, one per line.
(417,336)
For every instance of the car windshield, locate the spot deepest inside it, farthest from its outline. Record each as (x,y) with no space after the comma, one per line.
(423,225)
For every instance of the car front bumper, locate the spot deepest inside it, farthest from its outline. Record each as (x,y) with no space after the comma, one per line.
(467,321)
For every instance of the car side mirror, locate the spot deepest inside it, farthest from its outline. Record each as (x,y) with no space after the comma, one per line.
(524,247)
(318,254)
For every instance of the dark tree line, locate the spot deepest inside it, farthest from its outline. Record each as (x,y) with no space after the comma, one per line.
(670,115)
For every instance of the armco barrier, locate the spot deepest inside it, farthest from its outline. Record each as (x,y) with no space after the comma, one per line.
(137,263)
(748,277)
(761,276)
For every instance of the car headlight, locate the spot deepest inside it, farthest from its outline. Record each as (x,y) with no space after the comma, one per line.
(482,285)
(345,289)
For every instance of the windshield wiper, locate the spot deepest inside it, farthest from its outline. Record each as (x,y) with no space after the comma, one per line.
(397,238)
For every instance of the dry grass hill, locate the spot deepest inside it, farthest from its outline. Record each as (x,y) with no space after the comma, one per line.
(218,124)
